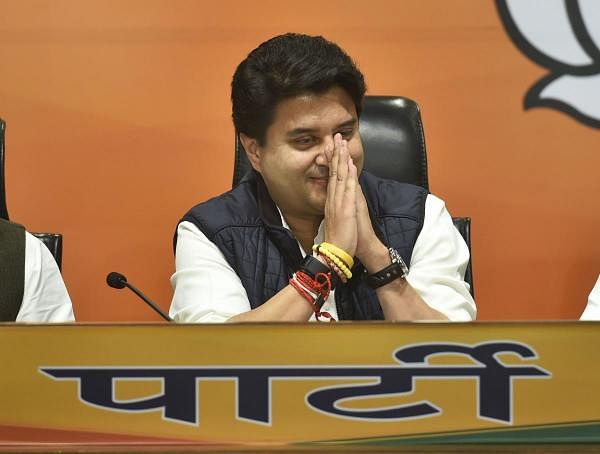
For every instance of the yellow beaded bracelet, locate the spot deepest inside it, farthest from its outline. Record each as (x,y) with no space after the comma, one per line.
(342,255)
(335,259)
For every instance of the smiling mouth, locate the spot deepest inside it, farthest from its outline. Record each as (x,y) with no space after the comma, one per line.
(321,181)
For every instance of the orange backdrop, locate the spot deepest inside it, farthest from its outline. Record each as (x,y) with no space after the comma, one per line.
(118,121)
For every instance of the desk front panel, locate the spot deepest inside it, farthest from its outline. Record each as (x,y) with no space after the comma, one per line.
(367,384)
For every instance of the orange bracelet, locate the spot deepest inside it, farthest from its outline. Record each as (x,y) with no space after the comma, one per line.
(335,268)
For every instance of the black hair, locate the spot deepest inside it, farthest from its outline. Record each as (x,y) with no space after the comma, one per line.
(286,66)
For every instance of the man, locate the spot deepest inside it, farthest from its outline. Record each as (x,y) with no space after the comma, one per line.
(246,255)
(31,287)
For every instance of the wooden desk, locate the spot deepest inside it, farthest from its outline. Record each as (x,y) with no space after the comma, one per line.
(369,387)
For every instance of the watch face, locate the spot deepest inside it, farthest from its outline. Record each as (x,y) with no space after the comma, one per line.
(397,258)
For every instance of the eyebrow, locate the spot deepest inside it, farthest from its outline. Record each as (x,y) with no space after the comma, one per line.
(300,131)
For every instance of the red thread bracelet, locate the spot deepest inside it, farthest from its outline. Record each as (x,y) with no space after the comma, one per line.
(300,279)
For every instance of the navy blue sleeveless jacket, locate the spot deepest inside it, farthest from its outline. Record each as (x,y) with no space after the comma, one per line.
(245,225)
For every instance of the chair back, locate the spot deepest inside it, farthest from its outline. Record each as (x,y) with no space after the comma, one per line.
(53,241)
(3,208)
(463,225)
(394,143)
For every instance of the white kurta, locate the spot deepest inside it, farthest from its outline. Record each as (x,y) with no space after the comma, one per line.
(45,297)
(592,310)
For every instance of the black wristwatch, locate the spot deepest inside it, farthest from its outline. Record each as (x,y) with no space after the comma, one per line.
(313,265)
(397,270)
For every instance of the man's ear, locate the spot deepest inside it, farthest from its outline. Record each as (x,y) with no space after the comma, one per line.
(252,150)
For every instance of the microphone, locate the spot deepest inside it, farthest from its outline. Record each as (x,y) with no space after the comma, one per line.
(118,281)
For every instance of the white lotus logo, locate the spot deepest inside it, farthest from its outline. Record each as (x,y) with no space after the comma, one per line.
(563,36)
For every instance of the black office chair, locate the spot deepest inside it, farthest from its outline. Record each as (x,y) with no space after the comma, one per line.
(394,143)
(53,241)
(3,209)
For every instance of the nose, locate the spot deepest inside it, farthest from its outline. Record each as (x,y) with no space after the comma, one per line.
(321,160)
(328,144)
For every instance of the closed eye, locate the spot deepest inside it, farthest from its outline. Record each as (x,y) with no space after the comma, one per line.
(304,142)
(347,133)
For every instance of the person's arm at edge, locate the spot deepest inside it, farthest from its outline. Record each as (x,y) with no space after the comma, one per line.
(45,296)
(592,309)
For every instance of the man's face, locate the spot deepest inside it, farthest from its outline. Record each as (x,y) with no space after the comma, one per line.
(292,162)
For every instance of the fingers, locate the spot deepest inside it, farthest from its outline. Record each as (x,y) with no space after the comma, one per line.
(340,206)
(333,168)
(351,185)
(342,146)
(342,169)
(344,194)
(341,188)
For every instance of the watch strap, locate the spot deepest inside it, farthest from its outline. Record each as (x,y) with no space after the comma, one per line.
(396,270)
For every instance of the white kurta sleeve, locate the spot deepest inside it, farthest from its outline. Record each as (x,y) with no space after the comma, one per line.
(438,263)
(592,309)
(206,288)
(45,297)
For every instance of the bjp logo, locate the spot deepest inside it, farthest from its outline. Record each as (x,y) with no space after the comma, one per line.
(563,36)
